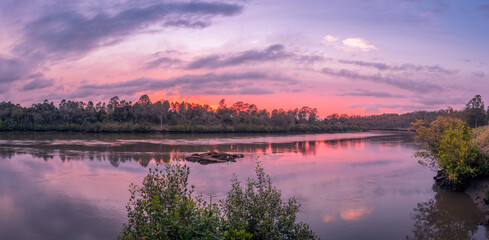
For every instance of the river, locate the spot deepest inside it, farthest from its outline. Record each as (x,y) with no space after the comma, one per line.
(363,185)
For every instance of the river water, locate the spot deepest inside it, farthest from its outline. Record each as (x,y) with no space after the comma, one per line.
(351,185)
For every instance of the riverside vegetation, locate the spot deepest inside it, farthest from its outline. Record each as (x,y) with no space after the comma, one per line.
(452,147)
(164,116)
(164,208)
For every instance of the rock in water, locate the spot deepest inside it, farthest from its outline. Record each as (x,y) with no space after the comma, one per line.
(213,157)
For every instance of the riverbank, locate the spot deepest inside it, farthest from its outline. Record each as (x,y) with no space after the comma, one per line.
(140,128)
(477,191)
(479,187)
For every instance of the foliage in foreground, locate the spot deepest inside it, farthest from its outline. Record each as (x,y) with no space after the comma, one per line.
(447,144)
(164,208)
(259,209)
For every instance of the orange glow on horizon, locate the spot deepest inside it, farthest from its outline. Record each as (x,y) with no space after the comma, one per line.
(279,101)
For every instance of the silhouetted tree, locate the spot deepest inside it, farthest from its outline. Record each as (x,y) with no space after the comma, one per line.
(475,113)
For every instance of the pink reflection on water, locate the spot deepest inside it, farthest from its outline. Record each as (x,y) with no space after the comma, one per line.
(328,219)
(338,181)
(355,214)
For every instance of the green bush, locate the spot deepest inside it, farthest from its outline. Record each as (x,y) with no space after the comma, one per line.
(448,144)
(259,209)
(164,208)
(458,156)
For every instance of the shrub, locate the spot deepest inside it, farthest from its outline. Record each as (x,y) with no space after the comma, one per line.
(259,209)
(458,156)
(430,136)
(164,208)
(447,144)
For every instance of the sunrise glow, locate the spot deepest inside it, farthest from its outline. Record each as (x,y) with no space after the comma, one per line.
(332,55)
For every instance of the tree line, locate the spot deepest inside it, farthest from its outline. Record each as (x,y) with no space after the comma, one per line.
(144,115)
(474,114)
(120,115)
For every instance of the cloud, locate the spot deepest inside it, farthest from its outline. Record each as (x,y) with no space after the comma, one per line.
(479,74)
(240,91)
(250,83)
(354,44)
(187,24)
(405,84)
(403,67)
(162,61)
(69,33)
(368,93)
(329,39)
(376,107)
(441,101)
(311,59)
(12,69)
(440,6)
(271,53)
(348,44)
(38,83)
(464,60)
(485,9)
(378,66)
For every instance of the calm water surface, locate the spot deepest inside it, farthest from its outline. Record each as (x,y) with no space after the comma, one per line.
(351,185)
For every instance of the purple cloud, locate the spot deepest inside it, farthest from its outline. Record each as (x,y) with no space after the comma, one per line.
(12,69)
(271,53)
(413,86)
(162,61)
(485,9)
(403,67)
(250,83)
(368,93)
(38,83)
(71,33)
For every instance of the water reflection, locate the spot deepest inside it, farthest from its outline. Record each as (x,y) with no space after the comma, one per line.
(30,209)
(355,214)
(447,215)
(351,186)
(146,148)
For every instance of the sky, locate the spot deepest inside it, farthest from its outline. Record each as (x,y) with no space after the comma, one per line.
(339,56)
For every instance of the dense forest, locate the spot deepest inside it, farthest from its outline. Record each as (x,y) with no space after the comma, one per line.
(145,116)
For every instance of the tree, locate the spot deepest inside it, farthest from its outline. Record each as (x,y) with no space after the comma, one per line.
(113,104)
(222,104)
(142,108)
(475,113)
(161,108)
(144,100)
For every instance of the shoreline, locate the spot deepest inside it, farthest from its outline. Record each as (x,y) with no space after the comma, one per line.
(191,132)
(477,191)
